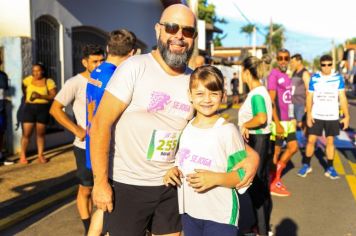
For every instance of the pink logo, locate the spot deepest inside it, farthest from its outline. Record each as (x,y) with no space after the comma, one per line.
(158,101)
(183,154)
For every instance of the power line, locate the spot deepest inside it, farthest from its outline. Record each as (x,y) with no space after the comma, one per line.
(246,18)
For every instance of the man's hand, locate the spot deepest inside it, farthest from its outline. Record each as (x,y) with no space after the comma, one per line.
(80,133)
(250,165)
(279,130)
(310,120)
(202,180)
(103,196)
(173,176)
(345,121)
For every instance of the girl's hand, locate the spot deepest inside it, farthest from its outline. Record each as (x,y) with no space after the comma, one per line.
(172,177)
(245,133)
(202,180)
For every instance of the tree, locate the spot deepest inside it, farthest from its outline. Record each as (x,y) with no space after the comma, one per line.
(217,40)
(276,41)
(207,12)
(351,41)
(248,30)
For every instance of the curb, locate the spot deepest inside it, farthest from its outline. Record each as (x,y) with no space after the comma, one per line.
(36,207)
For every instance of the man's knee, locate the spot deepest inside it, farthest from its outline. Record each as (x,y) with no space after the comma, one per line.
(84,191)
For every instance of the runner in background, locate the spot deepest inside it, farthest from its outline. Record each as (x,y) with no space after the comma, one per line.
(326,94)
(283,125)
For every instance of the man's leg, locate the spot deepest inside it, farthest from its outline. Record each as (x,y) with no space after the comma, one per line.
(330,152)
(309,152)
(84,205)
(85,176)
(292,147)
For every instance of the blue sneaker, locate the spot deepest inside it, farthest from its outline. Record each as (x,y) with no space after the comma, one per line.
(331,173)
(304,170)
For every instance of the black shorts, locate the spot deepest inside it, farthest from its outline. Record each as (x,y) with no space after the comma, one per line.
(331,127)
(84,175)
(141,208)
(36,113)
(289,138)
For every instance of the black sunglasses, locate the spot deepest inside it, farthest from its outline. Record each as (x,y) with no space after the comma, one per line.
(329,64)
(173,28)
(280,58)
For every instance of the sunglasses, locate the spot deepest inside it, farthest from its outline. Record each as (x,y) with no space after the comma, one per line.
(173,28)
(280,58)
(323,65)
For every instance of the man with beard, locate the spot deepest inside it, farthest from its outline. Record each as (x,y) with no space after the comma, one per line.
(147,101)
(279,86)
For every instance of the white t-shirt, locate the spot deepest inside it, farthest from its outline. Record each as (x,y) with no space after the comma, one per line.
(73,91)
(146,135)
(258,100)
(325,91)
(216,149)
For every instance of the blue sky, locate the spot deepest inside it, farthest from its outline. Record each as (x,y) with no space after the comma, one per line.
(311,25)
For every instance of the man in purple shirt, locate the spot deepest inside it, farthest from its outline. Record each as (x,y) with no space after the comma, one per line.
(279,86)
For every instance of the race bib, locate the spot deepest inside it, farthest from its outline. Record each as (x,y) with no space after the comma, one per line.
(163,146)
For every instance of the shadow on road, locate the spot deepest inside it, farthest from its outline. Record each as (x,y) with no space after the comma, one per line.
(287,227)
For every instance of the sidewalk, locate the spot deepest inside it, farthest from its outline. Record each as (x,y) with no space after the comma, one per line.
(28,189)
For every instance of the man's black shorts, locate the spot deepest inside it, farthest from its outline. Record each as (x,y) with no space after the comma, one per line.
(84,175)
(138,208)
(331,127)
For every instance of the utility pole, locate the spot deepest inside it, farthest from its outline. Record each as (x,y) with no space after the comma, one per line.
(333,54)
(193,5)
(254,41)
(270,36)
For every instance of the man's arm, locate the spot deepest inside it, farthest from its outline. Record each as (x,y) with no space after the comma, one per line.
(109,110)
(279,127)
(57,112)
(345,109)
(306,80)
(309,104)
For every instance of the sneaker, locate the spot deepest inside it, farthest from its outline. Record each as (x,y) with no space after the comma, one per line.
(6,162)
(305,170)
(331,173)
(278,189)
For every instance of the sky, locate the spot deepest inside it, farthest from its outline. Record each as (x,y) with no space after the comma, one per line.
(311,25)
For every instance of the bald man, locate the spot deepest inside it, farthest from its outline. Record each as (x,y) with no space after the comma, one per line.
(146,104)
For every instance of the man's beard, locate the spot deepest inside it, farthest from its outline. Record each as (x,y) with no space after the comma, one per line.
(172,59)
(283,68)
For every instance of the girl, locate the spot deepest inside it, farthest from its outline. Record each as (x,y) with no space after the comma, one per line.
(254,120)
(209,147)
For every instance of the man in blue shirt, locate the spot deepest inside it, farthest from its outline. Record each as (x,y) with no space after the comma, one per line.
(121,45)
(326,94)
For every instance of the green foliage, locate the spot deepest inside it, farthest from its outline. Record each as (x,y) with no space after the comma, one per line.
(278,37)
(217,40)
(248,30)
(351,41)
(207,12)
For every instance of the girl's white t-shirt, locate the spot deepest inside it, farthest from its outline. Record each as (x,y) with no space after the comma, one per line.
(216,149)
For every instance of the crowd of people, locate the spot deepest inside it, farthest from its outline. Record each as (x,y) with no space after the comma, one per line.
(153,153)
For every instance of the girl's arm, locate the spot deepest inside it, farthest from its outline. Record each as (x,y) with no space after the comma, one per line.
(204,180)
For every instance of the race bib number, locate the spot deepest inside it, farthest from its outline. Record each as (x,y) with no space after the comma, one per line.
(163,146)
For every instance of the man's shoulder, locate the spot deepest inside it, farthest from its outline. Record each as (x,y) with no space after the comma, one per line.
(3,75)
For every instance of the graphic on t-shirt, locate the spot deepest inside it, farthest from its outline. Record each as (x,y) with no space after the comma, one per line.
(158,101)
(287,96)
(190,161)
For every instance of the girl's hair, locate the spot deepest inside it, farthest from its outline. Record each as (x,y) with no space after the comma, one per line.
(255,66)
(210,76)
